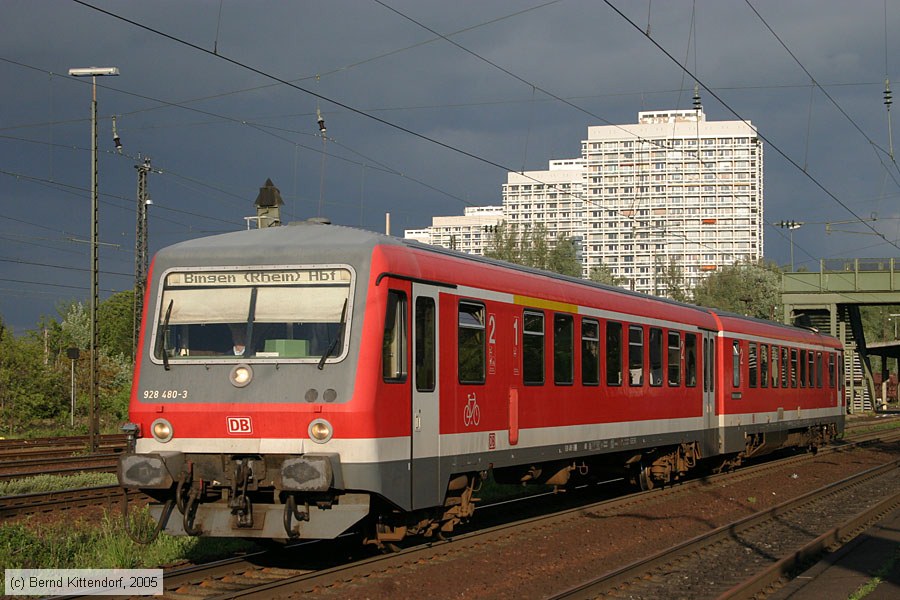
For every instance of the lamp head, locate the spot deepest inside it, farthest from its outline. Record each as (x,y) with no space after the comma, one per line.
(93,71)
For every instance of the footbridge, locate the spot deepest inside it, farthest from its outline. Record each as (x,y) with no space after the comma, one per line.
(830,301)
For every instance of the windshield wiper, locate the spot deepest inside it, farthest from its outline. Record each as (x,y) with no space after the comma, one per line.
(164,333)
(337,338)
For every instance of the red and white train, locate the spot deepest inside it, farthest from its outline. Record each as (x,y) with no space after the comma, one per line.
(305,380)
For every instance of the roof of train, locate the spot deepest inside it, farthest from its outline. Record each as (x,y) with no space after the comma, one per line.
(314,241)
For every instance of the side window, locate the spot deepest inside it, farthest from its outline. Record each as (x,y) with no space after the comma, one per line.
(818,369)
(533,348)
(841,374)
(831,370)
(707,361)
(810,369)
(690,360)
(393,345)
(425,336)
(775,367)
(656,356)
(674,362)
(763,365)
(785,368)
(563,349)
(753,365)
(736,363)
(803,368)
(471,342)
(590,352)
(635,355)
(793,367)
(613,353)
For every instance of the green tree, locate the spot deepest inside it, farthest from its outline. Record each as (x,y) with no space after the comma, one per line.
(30,387)
(532,248)
(504,243)
(563,258)
(115,329)
(603,274)
(535,248)
(744,288)
(670,282)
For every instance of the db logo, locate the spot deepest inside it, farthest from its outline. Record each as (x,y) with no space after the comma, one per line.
(239,425)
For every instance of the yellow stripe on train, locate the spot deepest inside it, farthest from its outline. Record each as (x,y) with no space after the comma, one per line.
(542,303)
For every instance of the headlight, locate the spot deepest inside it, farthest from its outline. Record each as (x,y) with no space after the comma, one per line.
(320,431)
(162,430)
(241,375)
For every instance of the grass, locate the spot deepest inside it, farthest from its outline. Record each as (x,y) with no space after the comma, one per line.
(54,483)
(882,572)
(103,545)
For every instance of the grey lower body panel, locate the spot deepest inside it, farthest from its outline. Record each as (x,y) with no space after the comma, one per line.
(215,519)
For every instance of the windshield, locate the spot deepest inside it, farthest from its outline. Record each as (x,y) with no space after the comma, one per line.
(235,315)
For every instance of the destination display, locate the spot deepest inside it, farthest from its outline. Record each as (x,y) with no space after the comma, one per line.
(240,278)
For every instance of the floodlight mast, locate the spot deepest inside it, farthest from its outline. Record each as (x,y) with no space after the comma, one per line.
(93,71)
(93,410)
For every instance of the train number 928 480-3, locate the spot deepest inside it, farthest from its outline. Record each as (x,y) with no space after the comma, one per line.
(165,394)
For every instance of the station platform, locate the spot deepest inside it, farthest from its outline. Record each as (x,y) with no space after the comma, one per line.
(873,553)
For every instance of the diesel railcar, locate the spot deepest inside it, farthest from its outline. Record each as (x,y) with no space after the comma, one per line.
(305,380)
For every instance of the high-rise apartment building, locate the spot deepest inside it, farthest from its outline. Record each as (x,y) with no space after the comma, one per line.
(469,233)
(673,194)
(672,190)
(554,198)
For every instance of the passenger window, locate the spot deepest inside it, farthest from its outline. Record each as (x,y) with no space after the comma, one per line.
(425,336)
(563,349)
(533,348)
(690,360)
(656,356)
(471,342)
(752,365)
(775,367)
(736,363)
(811,369)
(831,371)
(803,368)
(393,346)
(818,369)
(635,355)
(785,368)
(793,367)
(613,353)
(763,365)
(590,352)
(674,362)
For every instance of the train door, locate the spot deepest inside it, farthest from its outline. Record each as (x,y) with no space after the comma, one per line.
(710,418)
(425,473)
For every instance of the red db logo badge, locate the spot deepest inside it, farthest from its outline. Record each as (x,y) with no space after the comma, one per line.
(239,425)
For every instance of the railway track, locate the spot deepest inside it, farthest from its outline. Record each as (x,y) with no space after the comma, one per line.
(267,575)
(67,465)
(50,502)
(47,502)
(17,450)
(746,557)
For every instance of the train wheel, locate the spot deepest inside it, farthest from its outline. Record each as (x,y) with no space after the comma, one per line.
(645,479)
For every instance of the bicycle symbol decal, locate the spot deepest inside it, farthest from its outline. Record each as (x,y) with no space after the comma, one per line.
(471,411)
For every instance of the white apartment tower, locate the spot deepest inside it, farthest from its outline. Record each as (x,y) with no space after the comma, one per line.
(554,198)
(469,233)
(671,193)
(674,189)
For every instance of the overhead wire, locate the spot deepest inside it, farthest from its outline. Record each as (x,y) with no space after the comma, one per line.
(775,147)
(436,141)
(856,126)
